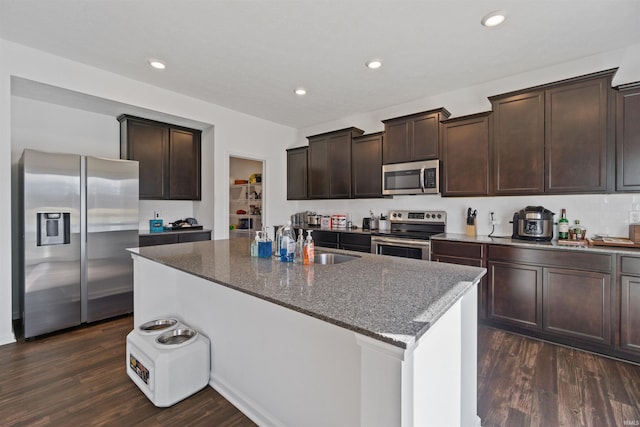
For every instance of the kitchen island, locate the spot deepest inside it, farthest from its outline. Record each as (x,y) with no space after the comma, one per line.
(375,340)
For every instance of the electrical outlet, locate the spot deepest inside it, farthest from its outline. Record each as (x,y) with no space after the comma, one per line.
(493,219)
(634,217)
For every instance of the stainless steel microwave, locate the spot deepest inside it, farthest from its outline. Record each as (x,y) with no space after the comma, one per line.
(411,178)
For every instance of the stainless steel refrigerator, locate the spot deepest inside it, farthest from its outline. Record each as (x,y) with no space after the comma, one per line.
(79,214)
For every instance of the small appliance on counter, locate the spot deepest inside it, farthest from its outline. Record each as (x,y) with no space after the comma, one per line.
(533,223)
(369,223)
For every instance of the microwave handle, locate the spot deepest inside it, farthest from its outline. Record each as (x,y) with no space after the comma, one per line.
(422,179)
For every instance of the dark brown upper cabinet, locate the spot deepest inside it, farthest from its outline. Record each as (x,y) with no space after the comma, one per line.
(297,173)
(554,139)
(578,135)
(517,142)
(366,166)
(329,163)
(413,137)
(628,138)
(168,157)
(465,155)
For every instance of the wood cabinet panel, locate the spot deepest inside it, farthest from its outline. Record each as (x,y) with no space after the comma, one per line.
(425,137)
(628,139)
(366,166)
(168,156)
(465,156)
(413,137)
(552,258)
(576,138)
(515,294)
(396,143)
(339,166)
(184,165)
(297,173)
(194,237)
(149,145)
(555,138)
(577,304)
(158,239)
(457,249)
(318,179)
(329,161)
(169,238)
(518,144)
(464,253)
(327,239)
(630,314)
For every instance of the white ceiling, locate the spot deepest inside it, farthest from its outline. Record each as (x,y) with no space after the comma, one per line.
(249,55)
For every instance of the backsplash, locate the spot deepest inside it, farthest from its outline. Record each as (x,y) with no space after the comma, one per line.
(598,213)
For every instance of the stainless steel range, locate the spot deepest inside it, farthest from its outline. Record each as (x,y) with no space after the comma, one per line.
(409,234)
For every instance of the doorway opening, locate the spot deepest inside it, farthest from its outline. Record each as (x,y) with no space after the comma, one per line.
(246,196)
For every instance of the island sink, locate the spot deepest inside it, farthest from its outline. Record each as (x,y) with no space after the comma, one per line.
(331,258)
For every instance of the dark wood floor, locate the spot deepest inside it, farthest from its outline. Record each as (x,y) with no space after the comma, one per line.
(78,378)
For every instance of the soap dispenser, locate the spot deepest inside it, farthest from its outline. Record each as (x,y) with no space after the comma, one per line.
(308,250)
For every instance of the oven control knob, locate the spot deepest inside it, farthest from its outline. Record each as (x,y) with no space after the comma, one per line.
(428,216)
(399,215)
(439,216)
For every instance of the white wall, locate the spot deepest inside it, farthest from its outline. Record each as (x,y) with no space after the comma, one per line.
(599,213)
(231,133)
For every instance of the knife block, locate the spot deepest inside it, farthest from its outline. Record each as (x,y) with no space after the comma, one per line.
(471,229)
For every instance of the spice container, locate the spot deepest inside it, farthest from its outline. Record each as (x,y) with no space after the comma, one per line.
(577,231)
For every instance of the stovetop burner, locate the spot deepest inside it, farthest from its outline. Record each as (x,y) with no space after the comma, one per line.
(420,225)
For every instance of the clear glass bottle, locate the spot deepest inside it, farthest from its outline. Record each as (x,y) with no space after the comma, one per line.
(297,256)
(563,226)
(288,243)
(278,242)
(254,245)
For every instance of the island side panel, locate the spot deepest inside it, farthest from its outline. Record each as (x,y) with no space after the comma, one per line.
(469,359)
(278,366)
(281,367)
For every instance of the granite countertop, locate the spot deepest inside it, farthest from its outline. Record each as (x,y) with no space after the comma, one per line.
(553,244)
(391,299)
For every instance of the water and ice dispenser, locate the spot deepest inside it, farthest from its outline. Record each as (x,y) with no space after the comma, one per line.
(54,228)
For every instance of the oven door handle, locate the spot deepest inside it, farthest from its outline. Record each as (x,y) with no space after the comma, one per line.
(399,242)
(422,179)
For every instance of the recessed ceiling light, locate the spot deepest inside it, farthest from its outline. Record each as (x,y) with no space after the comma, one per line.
(157,64)
(374,64)
(494,18)
(300,91)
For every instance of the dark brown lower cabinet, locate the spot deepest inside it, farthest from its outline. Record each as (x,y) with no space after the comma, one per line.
(342,240)
(630,305)
(564,296)
(464,253)
(355,242)
(515,294)
(175,237)
(577,304)
(326,239)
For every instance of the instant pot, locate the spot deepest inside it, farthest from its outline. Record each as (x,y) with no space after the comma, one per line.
(533,223)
